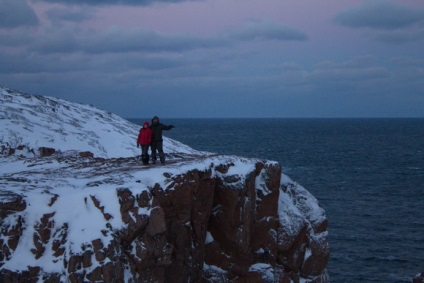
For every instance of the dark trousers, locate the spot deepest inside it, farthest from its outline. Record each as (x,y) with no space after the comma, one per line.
(145,154)
(158,146)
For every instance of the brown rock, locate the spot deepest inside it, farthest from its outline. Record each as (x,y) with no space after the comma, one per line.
(97,204)
(318,258)
(46,151)
(14,203)
(157,223)
(86,154)
(144,199)
(419,278)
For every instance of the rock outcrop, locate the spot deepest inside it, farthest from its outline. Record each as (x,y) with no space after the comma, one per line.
(77,205)
(201,219)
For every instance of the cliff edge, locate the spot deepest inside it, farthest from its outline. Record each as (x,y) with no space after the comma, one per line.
(80,212)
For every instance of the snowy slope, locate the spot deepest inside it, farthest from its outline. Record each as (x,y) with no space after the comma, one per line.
(38,121)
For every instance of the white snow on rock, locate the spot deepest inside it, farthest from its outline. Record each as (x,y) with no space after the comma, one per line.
(298,203)
(39,121)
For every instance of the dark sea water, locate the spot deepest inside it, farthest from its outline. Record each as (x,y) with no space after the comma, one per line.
(368,175)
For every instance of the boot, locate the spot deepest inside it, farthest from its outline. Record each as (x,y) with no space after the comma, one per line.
(145,159)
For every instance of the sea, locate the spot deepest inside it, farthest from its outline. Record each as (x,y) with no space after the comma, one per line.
(367,174)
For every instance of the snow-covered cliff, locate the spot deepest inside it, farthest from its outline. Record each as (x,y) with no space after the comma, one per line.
(36,121)
(105,217)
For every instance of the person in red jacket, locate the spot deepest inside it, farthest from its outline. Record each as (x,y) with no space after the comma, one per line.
(144,140)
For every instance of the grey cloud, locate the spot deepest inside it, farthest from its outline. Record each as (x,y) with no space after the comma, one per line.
(129,63)
(361,62)
(350,76)
(407,62)
(55,41)
(103,77)
(400,37)
(24,63)
(18,39)
(116,40)
(56,64)
(57,15)
(119,41)
(359,69)
(381,15)
(68,40)
(368,78)
(113,2)
(268,30)
(16,13)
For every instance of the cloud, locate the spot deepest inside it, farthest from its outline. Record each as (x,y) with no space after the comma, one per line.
(113,2)
(355,72)
(381,15)
(63,51)
(263,29)
(16,13)
(117,40)
(135,40)
(58,40)
(121,83)
(58,15)
(400,36)
(89,54)
(15,40)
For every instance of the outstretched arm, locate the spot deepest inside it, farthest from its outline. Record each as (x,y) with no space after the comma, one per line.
(167,128)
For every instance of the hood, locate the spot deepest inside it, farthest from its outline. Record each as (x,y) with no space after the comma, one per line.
(146,123)
(155,117)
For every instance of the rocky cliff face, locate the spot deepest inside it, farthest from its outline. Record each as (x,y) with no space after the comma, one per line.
(69,216)
(214,219)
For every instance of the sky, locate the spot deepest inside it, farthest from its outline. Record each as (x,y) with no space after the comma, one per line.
(219,58)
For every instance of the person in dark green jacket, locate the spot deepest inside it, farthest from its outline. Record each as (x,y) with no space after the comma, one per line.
(157,140)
